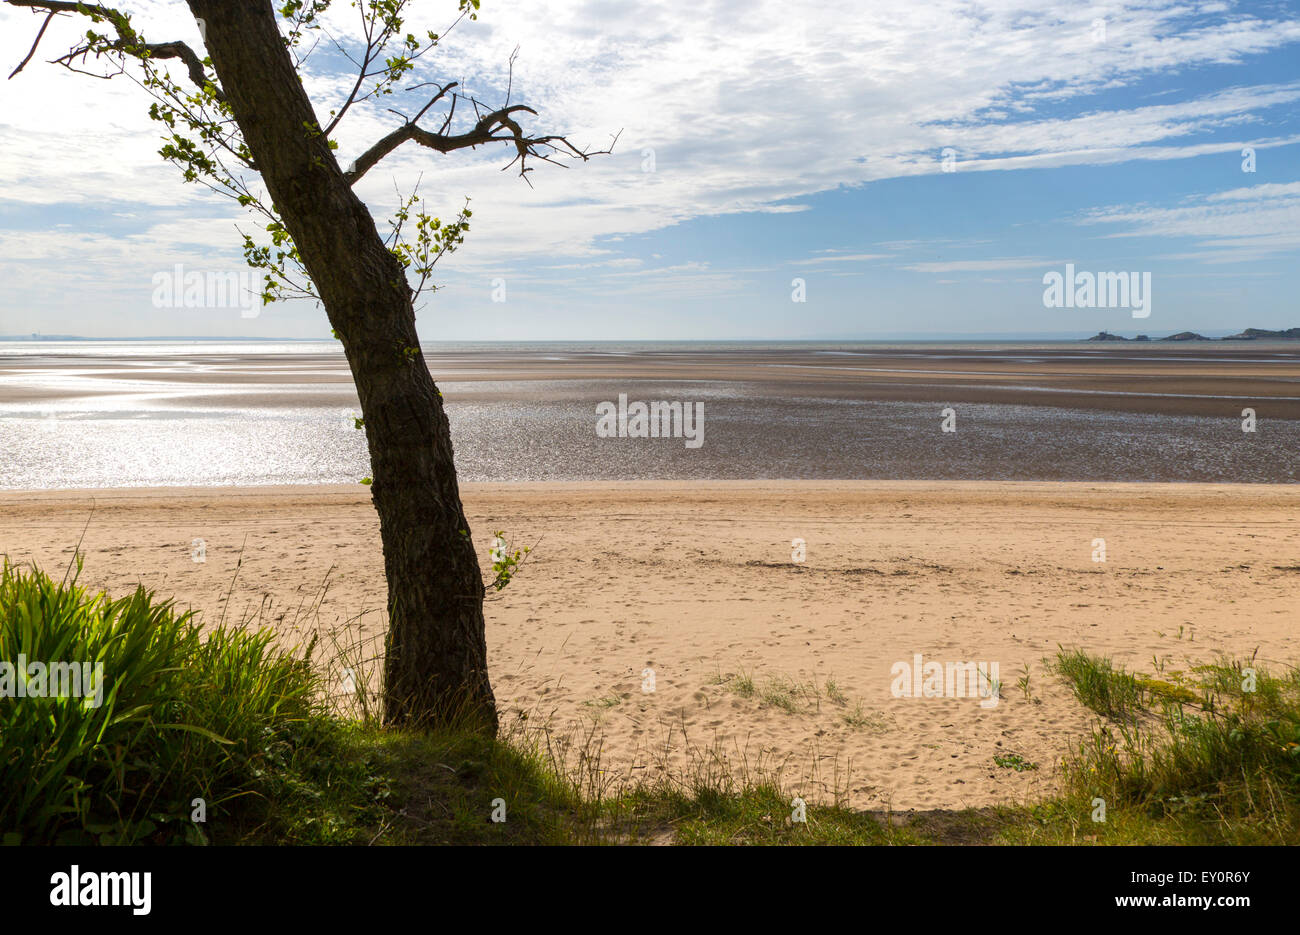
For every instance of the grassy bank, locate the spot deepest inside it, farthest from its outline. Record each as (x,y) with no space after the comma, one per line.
(221,725)
(1205,756)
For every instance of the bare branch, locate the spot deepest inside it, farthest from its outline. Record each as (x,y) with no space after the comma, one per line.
(128,42)
(375,46)
(488,130)
(510,76)
(23,64)
(435,99)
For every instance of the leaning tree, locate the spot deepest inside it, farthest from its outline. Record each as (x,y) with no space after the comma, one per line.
(240,114)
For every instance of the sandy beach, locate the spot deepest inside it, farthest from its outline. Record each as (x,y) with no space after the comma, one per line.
(696,581)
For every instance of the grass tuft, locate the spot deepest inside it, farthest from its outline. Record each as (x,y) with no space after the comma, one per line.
(176,716)
(1216,765)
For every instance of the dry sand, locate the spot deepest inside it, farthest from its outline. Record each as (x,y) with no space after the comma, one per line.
(696,581)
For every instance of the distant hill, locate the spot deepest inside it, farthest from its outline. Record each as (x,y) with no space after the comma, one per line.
(40,337)
(1250,334)
(1261,334)
(146,339)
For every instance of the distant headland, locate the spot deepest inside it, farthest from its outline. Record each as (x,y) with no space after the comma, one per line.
(1250,334)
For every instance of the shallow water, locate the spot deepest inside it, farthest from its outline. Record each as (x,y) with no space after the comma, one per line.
(154,414)
(547,431)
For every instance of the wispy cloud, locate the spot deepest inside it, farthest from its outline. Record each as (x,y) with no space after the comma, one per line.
(737,106)
(841,258)
(1236,226)
(980,266)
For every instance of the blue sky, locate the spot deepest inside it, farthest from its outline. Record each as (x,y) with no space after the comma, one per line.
(762,143)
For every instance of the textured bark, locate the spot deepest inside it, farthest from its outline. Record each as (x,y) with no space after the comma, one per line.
(435,669)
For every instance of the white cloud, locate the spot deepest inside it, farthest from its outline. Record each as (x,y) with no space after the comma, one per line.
(1236,226)
(841,258)
(747,105)
(976,266)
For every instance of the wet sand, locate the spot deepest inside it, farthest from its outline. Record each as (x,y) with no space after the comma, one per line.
(1188,379)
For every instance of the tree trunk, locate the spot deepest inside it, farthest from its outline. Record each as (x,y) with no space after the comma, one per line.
(435,668)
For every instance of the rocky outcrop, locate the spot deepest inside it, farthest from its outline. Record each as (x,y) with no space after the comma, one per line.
(1250,334)
(1263,334)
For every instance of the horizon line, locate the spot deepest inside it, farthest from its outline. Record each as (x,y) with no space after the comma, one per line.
(883,336)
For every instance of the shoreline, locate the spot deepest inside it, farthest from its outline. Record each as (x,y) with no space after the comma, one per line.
(641,484)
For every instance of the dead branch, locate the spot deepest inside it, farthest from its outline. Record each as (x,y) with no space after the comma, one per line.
(487,130)
(128,41)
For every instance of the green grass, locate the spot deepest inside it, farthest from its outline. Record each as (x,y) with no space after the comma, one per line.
(1013,761)
(1215,764)
(795,697)
(604,702)
(1098,686)
(254,732)
(835,693)
(180,717)
(783,692)
(225,716)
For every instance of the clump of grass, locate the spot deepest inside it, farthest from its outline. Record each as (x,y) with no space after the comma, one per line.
(1099,686)
(1025,686)
(177,716)
(1217,766)
(1161,690)
(783,692)
(859,719)
(787,694)
(835,694)
(1120,695)
(795,697)
(604,702)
